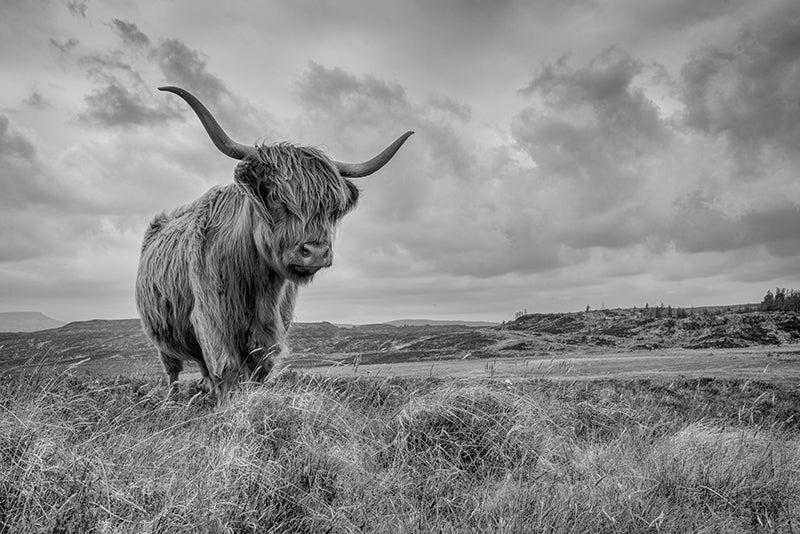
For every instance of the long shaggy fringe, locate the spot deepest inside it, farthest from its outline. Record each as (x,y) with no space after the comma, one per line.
(303,179)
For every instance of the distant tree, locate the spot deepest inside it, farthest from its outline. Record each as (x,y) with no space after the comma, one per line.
(780,297)
(768,302)
(669,311)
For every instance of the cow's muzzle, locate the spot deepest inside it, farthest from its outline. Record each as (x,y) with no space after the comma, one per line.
(310,258)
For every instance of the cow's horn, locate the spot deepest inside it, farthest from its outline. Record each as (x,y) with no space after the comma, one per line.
(357,170)
(225,144)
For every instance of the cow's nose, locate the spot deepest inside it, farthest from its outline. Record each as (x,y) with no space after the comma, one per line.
(314,255)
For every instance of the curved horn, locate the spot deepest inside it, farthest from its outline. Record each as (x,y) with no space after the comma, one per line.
(225,144)
(357,170)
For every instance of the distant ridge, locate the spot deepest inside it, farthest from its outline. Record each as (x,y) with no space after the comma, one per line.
(433,322)
(121,347)
(27,322)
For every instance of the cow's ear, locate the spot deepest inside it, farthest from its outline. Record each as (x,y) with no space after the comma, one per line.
(254,175)
(353,195)
(244,174)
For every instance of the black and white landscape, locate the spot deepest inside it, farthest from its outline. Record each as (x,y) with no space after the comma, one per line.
(565,305)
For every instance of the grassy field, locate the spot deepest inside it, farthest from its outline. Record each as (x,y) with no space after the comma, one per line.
(778,364)
(316,453)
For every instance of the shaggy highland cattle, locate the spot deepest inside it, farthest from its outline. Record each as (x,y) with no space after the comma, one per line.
(218,277)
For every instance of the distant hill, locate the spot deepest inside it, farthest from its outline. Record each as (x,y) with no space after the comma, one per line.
(434,322)
(120,346)
(27,322)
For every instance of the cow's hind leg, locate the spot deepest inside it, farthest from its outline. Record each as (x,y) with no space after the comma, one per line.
(173,367)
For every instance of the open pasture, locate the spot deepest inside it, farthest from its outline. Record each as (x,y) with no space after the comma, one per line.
(774,364)
(668,440)
(315,453)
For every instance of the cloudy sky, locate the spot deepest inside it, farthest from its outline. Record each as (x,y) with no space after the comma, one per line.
(567,153)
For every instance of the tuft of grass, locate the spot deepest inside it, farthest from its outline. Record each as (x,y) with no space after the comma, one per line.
(353,454)
(474,430)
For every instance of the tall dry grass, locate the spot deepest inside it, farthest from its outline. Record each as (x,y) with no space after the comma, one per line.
(317,454)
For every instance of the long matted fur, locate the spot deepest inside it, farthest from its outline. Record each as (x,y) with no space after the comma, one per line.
(213,284)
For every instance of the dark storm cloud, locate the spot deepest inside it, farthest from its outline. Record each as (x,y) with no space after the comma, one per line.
(606,86)
(124,97)
(748,90)
(186,67)
(594,130)
(66,46)
(115,105)
(130,33)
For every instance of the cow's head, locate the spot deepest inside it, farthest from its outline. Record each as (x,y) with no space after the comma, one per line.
(299,193)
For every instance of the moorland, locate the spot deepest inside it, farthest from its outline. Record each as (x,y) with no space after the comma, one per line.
(606,421)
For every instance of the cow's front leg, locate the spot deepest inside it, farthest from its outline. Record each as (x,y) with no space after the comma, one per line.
(222,357)
(265,361)
(285,310)
(267,356)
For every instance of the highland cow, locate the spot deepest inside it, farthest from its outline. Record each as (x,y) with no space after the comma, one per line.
(218,278)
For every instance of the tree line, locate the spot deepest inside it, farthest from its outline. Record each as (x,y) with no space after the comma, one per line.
(782,300)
